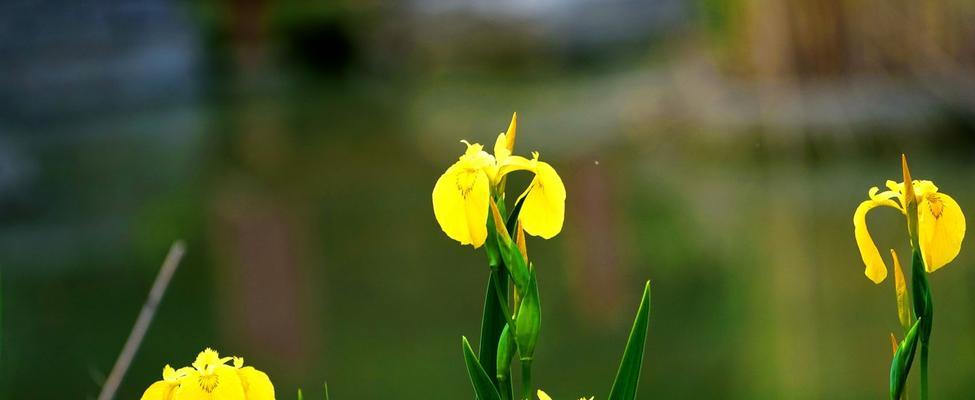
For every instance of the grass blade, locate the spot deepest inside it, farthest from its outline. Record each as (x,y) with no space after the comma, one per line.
(628,377)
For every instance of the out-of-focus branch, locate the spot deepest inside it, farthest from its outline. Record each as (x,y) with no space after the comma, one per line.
(132,344)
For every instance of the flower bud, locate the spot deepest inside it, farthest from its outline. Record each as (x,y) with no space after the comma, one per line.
(506,351)
(529,320)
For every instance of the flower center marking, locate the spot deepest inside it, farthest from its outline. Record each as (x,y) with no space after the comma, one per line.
(935,205)
(209,382)
(465,183)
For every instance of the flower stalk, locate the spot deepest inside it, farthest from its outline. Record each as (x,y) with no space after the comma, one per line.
(469,203)
(936,228)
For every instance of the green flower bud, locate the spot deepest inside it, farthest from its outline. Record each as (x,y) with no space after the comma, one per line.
(506,351)
(528,321)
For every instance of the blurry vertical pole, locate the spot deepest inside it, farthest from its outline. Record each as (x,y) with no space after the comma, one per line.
(594,261)
(262,228)
(132,344)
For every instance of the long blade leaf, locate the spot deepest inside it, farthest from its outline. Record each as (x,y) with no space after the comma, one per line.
(483,386)
(492,323)
(628,377)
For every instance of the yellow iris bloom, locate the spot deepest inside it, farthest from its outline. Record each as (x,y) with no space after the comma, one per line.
(462,193)
(210,378)
(941,224)
(544,396)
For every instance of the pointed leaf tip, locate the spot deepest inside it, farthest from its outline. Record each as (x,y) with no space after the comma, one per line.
(628,377)
(483,386)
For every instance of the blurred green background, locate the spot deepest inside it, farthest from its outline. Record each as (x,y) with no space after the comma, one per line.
(716,147)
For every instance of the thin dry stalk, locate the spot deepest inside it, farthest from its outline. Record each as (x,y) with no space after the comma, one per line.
(132,344)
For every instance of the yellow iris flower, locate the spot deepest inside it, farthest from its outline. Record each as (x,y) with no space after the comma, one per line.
(462,193)
(210,378)
(941,223)
(544,396)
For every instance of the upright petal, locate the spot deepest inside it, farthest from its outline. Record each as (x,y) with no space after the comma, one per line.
(543,212)
(501,151)
(460,203)
(876,270)
(941,228)
(512,132)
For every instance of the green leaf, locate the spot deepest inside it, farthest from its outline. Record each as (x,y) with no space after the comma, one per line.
(628,377)
(300,396)
(493,322)
(491,245)
(515,263)
(900,367)
(483,386)
(513,218)
(326,390)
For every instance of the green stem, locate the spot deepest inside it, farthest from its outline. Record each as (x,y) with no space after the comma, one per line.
(502,299)
(924,371)
(526,379)
(505,386)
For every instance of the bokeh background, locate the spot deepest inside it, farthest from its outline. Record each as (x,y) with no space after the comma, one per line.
(716,147)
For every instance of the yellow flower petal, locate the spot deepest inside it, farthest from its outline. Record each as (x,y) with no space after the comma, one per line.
(941,228)
(514,163)
(543,212)
(544,396)
(161,390)
(257,385)
(460,203)
(876,270)
(501,151)
(505,144)
(511,134)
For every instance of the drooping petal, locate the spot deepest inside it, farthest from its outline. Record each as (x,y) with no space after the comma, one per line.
(161,390)
(256,384)
(885,198)
(460,203)
(543,211)
(876,270)
(941,228)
